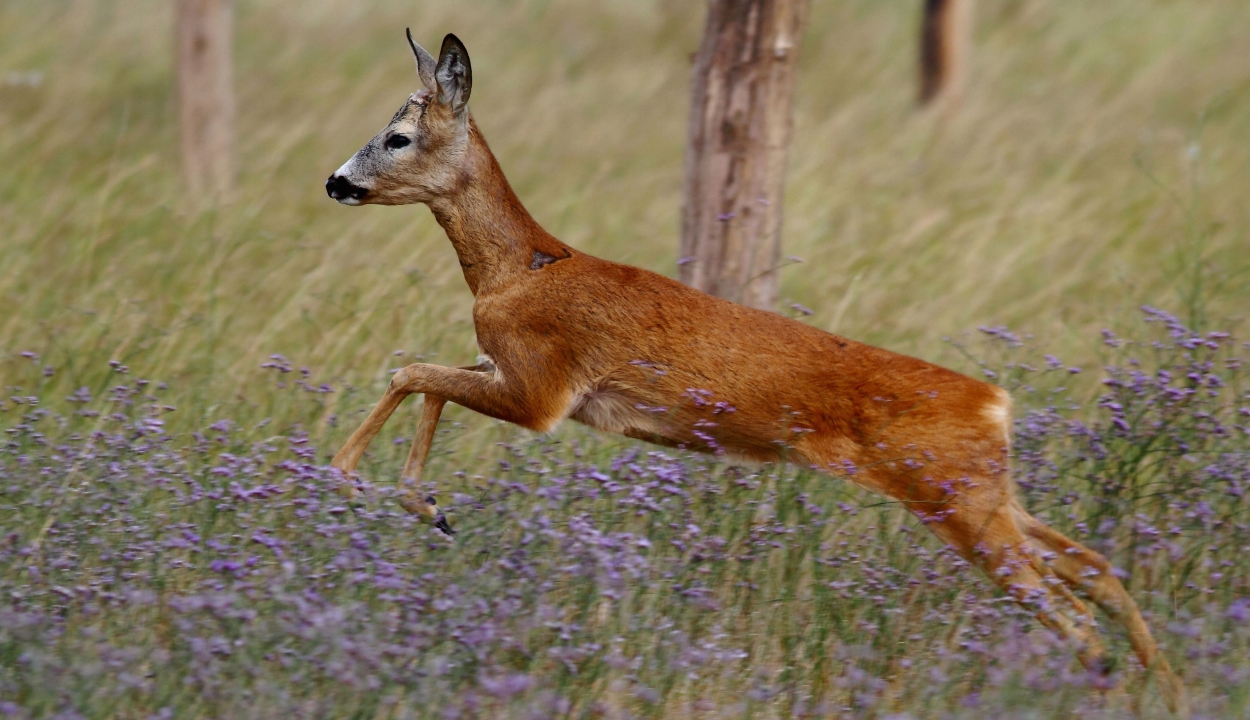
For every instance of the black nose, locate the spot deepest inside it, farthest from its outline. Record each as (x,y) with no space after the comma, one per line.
(339,187)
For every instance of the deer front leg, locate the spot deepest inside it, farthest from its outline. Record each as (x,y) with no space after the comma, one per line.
(347,458)
(410,483)
(480,388)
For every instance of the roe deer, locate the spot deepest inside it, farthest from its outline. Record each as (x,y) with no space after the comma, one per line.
(567,335)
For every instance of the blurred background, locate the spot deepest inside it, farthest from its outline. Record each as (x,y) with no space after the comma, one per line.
(175,548)
(1097,162)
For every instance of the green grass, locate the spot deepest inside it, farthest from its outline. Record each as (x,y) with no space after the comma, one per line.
(1099,162)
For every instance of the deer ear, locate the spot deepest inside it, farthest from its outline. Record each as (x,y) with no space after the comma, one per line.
(454,74)
(425,62)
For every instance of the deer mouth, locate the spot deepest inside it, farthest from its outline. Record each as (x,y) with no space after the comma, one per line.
(345,191)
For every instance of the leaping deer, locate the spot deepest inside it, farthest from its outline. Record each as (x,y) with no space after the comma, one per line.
(567,335)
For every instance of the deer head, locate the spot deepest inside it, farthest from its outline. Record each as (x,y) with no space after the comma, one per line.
(418,156)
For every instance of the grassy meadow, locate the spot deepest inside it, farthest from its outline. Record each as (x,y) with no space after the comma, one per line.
(170,543)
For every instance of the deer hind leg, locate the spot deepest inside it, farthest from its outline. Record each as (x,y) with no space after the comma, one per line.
(1089,572)
(993,542)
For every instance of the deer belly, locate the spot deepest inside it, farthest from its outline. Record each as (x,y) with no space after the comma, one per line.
(612,412)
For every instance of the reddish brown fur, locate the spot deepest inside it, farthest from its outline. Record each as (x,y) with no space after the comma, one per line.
(596,341)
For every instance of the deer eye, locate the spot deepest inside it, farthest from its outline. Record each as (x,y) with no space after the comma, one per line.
(396,142)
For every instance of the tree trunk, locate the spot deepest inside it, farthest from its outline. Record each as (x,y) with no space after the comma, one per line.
(740,121)
(206,95)
(945,37)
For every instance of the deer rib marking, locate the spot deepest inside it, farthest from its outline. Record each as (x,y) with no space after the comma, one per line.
(542,259)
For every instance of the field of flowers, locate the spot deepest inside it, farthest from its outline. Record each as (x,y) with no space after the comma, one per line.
(217,574)
(170,542)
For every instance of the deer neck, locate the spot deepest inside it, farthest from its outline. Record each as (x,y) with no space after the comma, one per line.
(495,238)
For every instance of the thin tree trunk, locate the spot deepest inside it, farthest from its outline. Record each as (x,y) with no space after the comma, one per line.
(945,38)
(740,122)
(206,95)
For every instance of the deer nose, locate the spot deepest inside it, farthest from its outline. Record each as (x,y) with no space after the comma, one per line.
(340,188)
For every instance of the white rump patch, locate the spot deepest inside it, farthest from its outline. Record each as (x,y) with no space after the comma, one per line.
(998,411)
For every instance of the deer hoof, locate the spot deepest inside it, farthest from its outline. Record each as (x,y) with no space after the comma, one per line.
(440,522)
(427,511)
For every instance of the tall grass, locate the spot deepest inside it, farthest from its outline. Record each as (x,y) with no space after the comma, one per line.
(219,574)
(1098,164)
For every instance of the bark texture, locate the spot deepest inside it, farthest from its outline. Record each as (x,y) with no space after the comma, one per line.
(945,40)
(206,95)
(740,126)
